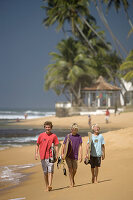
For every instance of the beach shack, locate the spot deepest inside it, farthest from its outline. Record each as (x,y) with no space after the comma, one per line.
(101,95)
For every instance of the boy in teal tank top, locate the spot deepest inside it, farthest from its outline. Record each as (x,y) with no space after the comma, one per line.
(97,152)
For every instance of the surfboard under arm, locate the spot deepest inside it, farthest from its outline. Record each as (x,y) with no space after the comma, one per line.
(90,140)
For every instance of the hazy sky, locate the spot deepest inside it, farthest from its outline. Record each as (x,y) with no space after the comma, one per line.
(24,47)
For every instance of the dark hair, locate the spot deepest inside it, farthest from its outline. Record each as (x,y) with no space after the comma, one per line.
(48,123)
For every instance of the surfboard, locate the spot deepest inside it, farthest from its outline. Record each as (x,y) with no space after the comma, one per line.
(66,146)
(87,160)
(90,140)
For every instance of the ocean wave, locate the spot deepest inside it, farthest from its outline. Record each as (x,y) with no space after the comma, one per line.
(10,173)
(32,115)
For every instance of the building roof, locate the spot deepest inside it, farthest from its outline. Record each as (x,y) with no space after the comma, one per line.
(101,84)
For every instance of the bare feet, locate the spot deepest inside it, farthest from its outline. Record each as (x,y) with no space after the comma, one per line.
(49,188)
(93,179)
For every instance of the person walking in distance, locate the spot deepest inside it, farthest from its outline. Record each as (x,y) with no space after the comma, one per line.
(107,115)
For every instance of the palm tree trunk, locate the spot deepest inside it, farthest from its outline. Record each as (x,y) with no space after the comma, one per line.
(130,23)
(77,98)
(115,40)
(85,38)
(121,82)
(94,31)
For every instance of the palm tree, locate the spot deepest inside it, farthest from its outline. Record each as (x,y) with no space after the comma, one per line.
(117,5)
(127,67)
(116,42)
(98,44)
(69,66)
(75,12)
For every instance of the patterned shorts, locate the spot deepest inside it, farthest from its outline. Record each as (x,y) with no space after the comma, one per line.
(47,166)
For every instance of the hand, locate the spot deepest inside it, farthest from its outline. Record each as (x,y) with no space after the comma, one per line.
(36,156)
(56,158)
(86,156)
(80,159)
(103,157)
(62,156)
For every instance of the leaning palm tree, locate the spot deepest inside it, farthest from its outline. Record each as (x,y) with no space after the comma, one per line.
(127,67)
(117,4)
(116,42)
(73,12)
(69,66)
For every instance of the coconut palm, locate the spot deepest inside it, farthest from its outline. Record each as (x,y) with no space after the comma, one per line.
(69,65)
(116,42)
(99,45)
(117,4)
(75,12)
(127,67)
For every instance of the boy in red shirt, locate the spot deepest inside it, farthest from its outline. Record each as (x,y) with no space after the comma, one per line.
(44,144)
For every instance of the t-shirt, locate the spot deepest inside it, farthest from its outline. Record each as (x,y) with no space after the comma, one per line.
(73,146)
(45,142)
(107,113)
(96,145)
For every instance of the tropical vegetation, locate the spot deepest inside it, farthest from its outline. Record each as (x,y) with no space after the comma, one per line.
(127,67)
(85,54)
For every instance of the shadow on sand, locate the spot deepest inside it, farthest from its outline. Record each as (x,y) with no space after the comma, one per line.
(80,185)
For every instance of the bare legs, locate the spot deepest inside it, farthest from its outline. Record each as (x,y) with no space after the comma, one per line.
(94,172)
(48,177)
(72,173)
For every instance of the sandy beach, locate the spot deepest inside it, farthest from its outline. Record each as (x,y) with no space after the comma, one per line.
(115,176)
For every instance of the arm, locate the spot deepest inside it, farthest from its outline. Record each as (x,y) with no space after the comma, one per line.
(37,151)
(87,150)
(80,153)
(103,151)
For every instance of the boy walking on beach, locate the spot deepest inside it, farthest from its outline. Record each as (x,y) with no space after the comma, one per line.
(74,149)
(46,141)
(97,152)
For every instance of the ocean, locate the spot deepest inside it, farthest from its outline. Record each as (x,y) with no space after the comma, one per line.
(20,113)
(19,137)
(9,138)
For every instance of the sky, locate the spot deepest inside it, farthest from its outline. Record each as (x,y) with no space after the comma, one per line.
(25,45)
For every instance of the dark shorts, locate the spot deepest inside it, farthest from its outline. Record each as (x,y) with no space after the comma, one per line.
(95,161)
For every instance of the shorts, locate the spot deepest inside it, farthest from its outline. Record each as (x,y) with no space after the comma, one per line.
(107,117)
(95,161)
(47,166)
(71,163)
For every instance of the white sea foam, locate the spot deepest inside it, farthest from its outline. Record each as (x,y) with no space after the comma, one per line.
(10,174)
(31,114)
(6,142)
